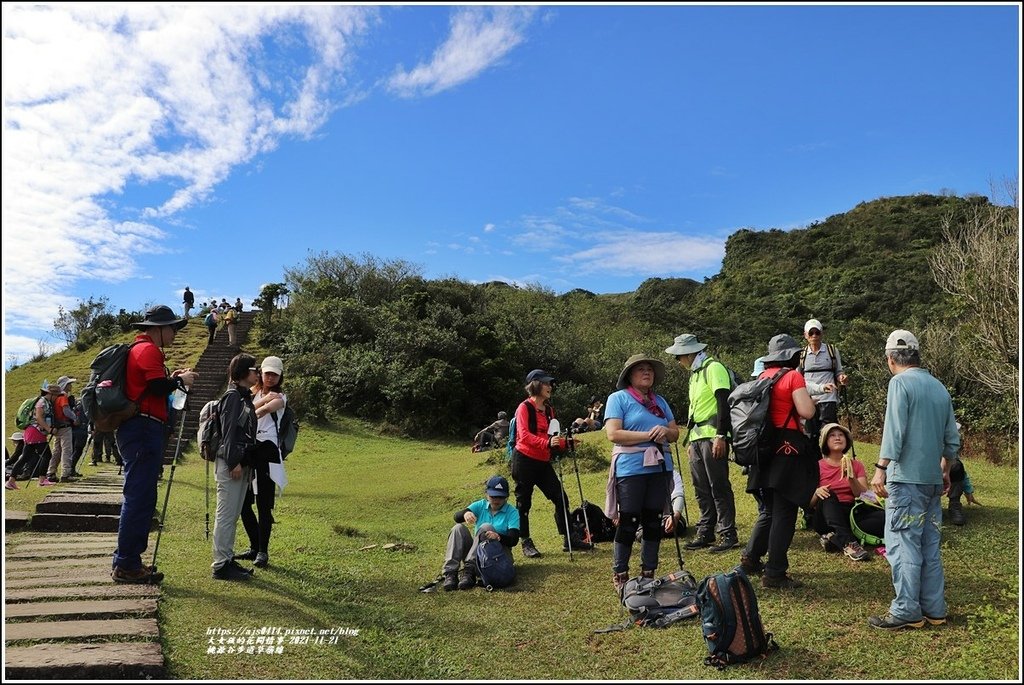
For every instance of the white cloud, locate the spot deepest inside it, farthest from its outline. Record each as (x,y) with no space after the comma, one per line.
(649,253)
(101,97)
(488,228)
(480,37)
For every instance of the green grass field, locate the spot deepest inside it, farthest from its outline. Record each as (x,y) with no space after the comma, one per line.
(350,488)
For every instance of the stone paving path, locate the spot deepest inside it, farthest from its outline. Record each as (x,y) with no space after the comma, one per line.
(63,616)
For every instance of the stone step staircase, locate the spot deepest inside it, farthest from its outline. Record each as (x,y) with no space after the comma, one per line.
(90,505)
(213,377)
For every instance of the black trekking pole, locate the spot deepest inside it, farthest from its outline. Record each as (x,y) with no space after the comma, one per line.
(170,480)
(42,453)
(583,502)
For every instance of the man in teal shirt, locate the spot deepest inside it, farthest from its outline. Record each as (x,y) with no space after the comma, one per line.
(709,428)
(919,441)
(494,518)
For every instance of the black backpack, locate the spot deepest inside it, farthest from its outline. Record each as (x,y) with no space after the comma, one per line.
(660,602)
(103,398)
(730,620)
(287,430)
(601,527)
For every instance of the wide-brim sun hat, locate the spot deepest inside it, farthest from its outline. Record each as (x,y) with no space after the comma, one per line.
(64,381)
(823,438)
(659,370)
(161,315)
(781,348)
(686,343)
(17,435)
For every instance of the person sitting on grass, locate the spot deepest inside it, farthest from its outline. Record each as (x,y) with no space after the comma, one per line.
(841,481)
(494,518)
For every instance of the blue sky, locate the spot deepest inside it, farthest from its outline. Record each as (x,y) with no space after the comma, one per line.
(149,147)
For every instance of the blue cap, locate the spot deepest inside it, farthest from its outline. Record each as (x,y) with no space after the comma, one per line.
(497,486)
(539,375)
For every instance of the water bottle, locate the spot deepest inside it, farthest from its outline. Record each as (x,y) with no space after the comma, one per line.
(178,399)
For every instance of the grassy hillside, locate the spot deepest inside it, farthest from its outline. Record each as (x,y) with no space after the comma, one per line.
(352,491)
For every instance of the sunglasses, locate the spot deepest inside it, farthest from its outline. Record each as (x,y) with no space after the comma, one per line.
(814,331)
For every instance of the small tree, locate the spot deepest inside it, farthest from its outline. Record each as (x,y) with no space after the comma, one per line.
(72,325)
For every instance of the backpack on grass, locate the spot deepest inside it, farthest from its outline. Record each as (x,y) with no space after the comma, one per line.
(748,411)
(494,564)
(730,620)
(863,509)
(660,602)
(601,527)
(103,397)
(23,419)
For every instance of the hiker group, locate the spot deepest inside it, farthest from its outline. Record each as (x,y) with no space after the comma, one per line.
(783,430)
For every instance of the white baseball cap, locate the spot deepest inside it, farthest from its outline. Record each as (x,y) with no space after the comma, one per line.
(813,323)
(902,340)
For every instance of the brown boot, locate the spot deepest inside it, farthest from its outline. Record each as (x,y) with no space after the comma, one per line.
(619,581)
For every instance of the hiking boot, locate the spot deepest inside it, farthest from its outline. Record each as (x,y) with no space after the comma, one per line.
(68,479)
(450,581)
(139,576)
(828,542)
(727,542)
(247,555)
(856,552)
(529,550)
(577,545)
(956,514)
(932,621)
(231,571)
(261,561)
(781,582)
(700,541)
(647,573)
(889,622)
(752,567)
(467,579)
(43,482)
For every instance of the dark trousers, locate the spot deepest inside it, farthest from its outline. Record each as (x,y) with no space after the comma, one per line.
(103,443)
(213,331)
(642,499)
(258,525)
(33,459)
(824,413)
(833,516)
(772,533)
(526,473)
(142,441)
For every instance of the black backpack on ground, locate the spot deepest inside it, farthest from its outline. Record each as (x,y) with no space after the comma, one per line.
(730,620)
(601,527)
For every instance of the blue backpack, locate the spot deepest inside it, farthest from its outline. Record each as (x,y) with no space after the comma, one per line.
(730,620)
(494,563)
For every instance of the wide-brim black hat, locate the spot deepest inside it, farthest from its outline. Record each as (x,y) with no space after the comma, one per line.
(161,315)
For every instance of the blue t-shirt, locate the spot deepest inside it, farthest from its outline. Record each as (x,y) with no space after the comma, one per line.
(636,417)
(505,520)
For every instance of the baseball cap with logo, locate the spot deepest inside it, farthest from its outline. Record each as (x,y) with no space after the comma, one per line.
(497,486)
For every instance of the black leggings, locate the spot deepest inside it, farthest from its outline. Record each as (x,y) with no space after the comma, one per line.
(527,472)
(833,516)
(258,527)
(32,457)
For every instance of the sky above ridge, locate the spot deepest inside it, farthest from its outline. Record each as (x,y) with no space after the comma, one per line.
(147,147)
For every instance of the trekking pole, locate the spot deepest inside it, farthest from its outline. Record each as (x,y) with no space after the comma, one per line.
(849,419)
(675,528)
(579,483)
(170,480)
(42,453)
(686,511)
(207,498)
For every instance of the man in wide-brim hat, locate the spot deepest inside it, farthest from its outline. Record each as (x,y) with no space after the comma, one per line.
(142,438)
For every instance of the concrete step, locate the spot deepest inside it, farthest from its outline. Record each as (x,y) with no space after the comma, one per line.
(88,577)
(83,609)
(105,523)
(109,661)
(15,520)
(59,503)
(111,589)
(63,630)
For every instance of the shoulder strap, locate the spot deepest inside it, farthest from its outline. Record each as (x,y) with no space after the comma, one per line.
(803,358)
(832,355)
(531,416)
